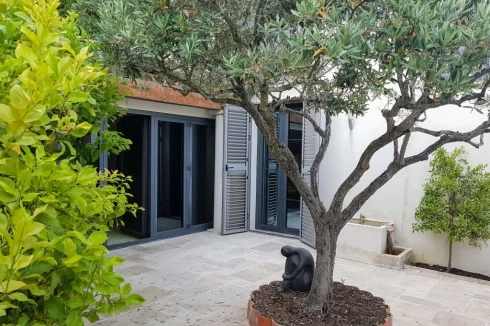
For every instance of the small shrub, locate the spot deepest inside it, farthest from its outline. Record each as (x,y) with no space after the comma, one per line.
(456,201)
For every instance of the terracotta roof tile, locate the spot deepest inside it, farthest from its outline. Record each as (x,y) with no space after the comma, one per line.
(159,93)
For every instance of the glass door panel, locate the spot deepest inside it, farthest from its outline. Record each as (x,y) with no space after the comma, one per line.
(170,205)
(202,174)
(133,162)
(295,127)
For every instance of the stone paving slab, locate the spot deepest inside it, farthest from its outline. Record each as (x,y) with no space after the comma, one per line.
(205,279)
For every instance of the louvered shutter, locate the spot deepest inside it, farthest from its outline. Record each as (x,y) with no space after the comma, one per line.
(310,148)
(235,179)
(272,184)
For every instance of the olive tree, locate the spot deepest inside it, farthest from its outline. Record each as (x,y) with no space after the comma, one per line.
(333,56)
(456,201)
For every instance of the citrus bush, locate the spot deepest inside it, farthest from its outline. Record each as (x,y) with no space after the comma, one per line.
(54,208)
(456,201)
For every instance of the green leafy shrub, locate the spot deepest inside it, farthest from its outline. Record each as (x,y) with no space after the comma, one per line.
(456,200)
(54,210)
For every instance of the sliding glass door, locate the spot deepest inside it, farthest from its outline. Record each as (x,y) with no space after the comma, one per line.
(170,175)
(183,180)
(171,162)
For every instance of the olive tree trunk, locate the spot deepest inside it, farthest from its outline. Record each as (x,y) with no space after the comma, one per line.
(320,297)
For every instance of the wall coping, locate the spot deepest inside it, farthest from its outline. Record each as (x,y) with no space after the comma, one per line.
(153,92)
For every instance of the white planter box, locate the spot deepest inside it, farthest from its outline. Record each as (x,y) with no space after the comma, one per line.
(362,240)
(403,257)
(365,241)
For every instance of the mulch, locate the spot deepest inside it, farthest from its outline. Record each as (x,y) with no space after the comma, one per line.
(351,307)
(454,271)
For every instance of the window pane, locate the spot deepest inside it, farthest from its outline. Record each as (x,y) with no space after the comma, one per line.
(170,175)
(295,132)
(202,174)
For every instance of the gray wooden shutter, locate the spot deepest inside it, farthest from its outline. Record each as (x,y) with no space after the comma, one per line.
(235,178)
(310,148)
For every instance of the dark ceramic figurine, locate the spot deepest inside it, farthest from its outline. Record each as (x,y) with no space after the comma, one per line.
(300,266)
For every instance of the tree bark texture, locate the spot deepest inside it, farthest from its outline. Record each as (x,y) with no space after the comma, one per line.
(320,297)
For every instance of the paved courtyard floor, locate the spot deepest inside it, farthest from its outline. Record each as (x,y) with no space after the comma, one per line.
(206,279)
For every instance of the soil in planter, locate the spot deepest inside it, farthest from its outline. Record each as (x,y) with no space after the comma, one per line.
(396,252)
(454,271)
(351,307)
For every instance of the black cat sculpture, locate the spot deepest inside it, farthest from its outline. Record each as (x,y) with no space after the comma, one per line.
(299,269)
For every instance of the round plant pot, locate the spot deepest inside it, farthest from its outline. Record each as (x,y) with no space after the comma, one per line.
(255,318)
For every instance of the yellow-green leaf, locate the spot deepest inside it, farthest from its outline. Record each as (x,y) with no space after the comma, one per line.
(10,286)
(49,260)
(78,97)
(23,262)
(19,296)
(30,196)
(23,51)
(71,260)
(6,113)
(81,129)
(97,238)
(34,114)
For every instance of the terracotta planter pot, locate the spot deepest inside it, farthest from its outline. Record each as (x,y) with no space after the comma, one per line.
(256,319)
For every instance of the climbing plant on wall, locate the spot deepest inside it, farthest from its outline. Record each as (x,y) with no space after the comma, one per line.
(54,210)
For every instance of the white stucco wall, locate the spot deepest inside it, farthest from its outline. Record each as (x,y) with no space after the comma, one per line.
(398,199)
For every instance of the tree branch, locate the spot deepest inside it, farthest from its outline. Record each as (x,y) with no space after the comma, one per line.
(403,150)
(394,167)
(216,97)
(458,102)
(396,153)
(315,125)
(450,133)
(364,161)
(480,74)
(258,15)
(356,7)
(320,155)
(424,118)
(235,33)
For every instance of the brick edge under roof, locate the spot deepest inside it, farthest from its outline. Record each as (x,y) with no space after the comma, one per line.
(167,95)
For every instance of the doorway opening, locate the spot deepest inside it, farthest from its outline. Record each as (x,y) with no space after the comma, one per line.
(278,200)
(135,163)
(185,175)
